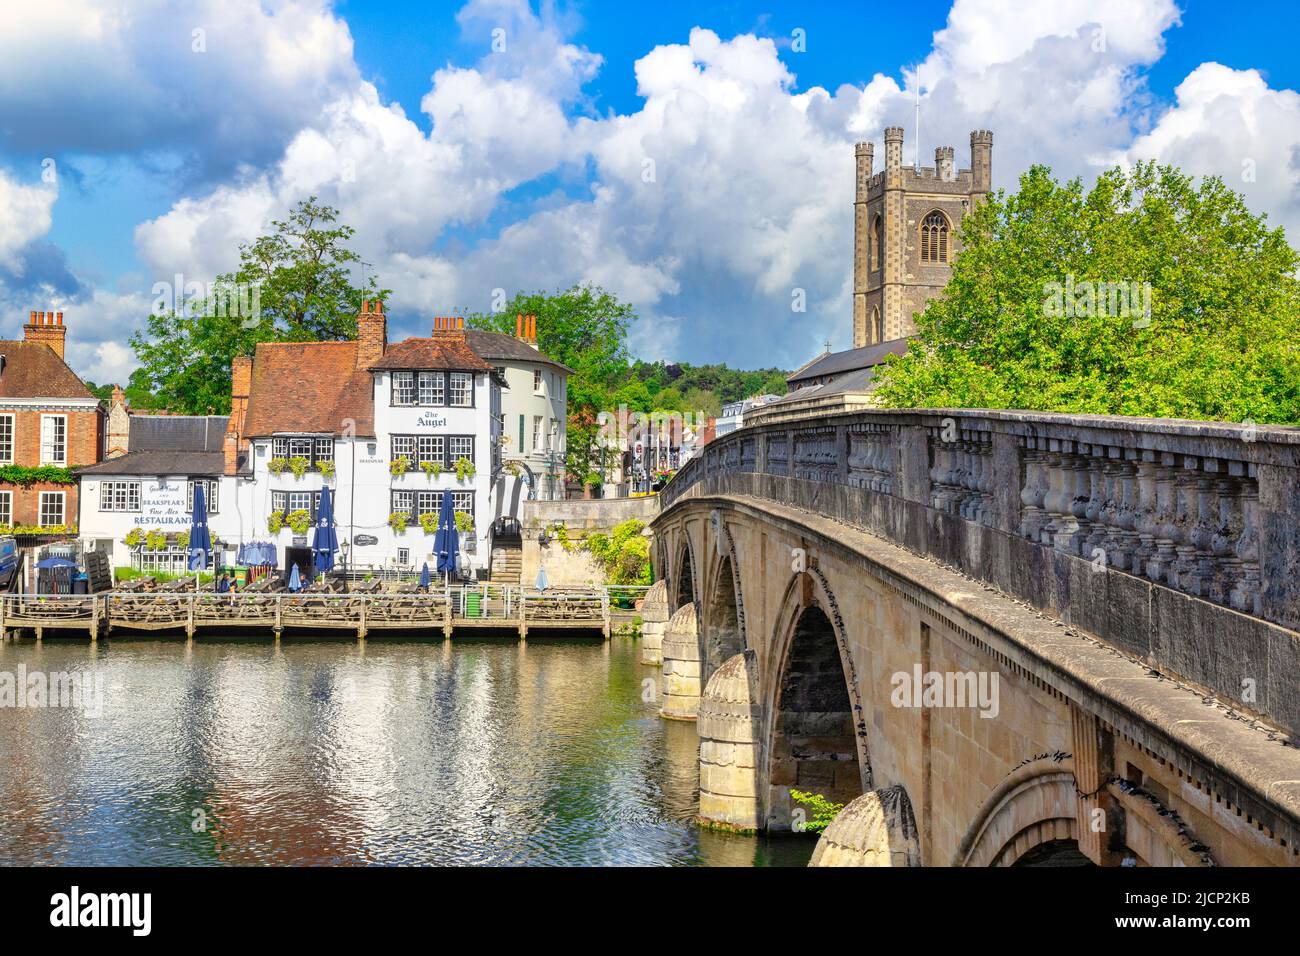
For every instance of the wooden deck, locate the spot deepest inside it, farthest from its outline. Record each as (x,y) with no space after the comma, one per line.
(445,610)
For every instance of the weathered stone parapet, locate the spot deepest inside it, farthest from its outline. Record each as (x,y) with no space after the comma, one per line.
(654,621)
(681,660)
(876,829)
(730,728)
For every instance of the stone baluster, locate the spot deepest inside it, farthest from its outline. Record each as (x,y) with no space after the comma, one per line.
(1144,517)
(954,475)
(938,453)
(1227,565)
(1165,518)
(1245,594)
(1099,481)
(1187,495)
(1079,479)
(1054,499)
(1031,491)
(1202,535)
(988,506)
(1125,538)
(1067,526)
(969,479)
(884,442)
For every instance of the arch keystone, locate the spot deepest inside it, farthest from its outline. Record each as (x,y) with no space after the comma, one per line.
(681,660)
(876,829)
(654,621)
(730,728)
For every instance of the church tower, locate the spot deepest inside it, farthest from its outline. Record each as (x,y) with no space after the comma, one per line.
(905,223)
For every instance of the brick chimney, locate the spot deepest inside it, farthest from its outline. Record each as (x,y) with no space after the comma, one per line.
(372,333)
(46,327)
(241,386)
(526,329)
(449,327)
(118,437)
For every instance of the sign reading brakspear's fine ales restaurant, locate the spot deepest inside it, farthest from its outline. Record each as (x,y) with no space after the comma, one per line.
(163,504)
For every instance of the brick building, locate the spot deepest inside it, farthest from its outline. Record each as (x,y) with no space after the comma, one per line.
(47,417)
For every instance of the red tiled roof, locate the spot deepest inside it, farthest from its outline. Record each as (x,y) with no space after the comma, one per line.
(448,351)
(33,370)
(309,387)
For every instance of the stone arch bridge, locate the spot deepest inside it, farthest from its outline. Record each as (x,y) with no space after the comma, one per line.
(1000,638)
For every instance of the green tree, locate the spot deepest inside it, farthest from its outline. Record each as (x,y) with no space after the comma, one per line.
(1031,317)
(586,328)
(304,292)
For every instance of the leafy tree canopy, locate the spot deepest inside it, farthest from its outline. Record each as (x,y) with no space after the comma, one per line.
(301,274)
(1034,318)
(586,328)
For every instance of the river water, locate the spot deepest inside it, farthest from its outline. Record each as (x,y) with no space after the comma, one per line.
(243,751)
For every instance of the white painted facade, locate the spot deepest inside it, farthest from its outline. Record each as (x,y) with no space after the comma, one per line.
(113,505)
(363,486)
(366,492)
(534,407)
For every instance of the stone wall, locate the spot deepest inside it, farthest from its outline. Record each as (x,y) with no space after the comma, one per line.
(574,567)
(581,516)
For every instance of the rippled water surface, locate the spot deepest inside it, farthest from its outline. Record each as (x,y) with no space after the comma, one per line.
(325,752)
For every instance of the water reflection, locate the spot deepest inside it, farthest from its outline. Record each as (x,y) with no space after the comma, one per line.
(248,751)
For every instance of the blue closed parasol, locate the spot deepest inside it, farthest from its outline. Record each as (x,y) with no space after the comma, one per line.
(200,540)
(446,543)
(325,539)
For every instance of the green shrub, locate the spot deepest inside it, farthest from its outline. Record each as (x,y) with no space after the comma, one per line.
(821,810)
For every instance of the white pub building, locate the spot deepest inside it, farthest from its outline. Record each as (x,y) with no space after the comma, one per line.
(387,427)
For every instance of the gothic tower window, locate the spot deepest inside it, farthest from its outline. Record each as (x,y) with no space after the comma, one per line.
(934,238)
(877,241)
(878,325)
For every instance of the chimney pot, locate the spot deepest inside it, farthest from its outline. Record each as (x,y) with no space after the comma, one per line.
(365,305)
(31,319)
(60,318)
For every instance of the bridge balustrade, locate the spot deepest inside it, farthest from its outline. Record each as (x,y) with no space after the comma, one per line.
(1114,522)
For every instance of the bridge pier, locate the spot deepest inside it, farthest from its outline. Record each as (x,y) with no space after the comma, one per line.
(654,620)
(681,655)
(876,829)
(730,722)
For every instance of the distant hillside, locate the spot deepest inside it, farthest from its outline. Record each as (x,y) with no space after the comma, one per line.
(674,386)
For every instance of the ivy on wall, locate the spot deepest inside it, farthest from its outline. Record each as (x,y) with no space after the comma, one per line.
(26,475)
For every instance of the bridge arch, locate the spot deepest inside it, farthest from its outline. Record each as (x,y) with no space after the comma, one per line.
(817,733)
(1035,806)
(722,623)
(683,581)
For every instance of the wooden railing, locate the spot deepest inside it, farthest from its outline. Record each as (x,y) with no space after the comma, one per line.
(485,606)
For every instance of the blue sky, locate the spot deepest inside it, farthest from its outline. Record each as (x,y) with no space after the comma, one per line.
(467,170)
